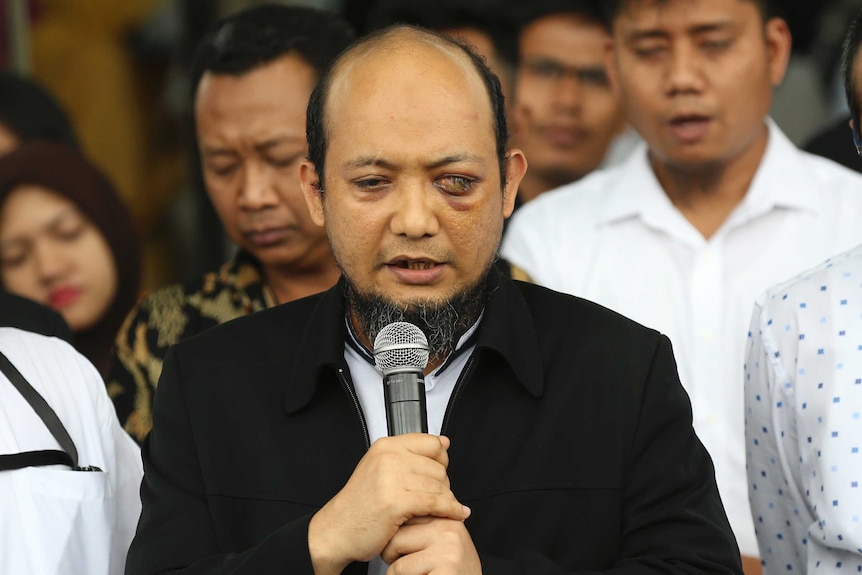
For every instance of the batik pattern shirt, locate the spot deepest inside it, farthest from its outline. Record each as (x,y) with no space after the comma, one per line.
(172,314)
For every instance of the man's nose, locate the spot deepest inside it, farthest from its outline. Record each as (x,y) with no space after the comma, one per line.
(259,188)
(683,73)
(414,212)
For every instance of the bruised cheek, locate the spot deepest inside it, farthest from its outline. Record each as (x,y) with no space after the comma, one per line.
(477,233)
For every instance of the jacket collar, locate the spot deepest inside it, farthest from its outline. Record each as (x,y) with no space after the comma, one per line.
(781,181)
(506,330)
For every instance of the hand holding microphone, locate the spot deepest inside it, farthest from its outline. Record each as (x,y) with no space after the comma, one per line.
(399,478)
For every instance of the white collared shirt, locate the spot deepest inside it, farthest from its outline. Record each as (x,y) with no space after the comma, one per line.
(615,238)
(803,398)
(56,521)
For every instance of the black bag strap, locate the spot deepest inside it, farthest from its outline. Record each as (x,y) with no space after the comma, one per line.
(42,409)
(34,459)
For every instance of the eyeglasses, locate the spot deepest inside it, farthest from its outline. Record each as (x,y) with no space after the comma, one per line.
(554,72)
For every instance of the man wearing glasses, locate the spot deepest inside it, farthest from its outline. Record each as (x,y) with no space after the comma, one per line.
(566,115)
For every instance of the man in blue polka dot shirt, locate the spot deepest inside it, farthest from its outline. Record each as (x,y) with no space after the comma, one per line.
(803,395)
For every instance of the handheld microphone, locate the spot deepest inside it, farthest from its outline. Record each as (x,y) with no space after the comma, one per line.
(401,354)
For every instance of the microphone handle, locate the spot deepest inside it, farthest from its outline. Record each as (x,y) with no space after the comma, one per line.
(404,392)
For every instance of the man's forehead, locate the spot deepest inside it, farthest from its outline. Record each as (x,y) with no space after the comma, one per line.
(638,14)
(408,66)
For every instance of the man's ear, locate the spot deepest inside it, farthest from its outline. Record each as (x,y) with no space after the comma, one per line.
(312,190)
(516,167)
(779,42)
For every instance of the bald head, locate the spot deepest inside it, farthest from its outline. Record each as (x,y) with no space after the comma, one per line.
(414,57)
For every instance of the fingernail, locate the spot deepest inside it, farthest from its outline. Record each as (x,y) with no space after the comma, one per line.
(467,510)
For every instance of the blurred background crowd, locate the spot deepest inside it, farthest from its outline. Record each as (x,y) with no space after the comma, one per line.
(121,69)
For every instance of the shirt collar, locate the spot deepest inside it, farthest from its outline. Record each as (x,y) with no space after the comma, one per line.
(465,342)
(633,190)
(505,331)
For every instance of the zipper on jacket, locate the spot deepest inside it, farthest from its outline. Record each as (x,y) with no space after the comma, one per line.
(358,407)
(468,371)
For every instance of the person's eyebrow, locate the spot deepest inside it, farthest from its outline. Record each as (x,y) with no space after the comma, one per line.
(460,158)
(49,226)
(367,161)
(219,151)
(457,158)
(651,34)
(280,140)
(660,34)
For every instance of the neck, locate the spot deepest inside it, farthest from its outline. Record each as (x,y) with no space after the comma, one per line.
(288,285)
(706,194)
(535,184)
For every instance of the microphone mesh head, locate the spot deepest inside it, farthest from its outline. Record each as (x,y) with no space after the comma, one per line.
(400,344)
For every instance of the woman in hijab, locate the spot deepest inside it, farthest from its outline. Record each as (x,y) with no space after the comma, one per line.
(67,241)
(29,112)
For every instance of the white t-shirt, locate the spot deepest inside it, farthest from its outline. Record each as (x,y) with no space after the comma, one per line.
(615,238)
(54,520)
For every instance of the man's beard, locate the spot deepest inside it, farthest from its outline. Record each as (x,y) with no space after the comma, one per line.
(442,321)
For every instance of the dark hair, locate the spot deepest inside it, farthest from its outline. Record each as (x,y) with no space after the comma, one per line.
(587,9)
(65,171)
(612,8)
(848,60)
(315,125)
(493,18)
(30,112)
(258,35)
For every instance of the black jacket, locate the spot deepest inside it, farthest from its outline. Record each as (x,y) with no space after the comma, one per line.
(16,311)
(571,441)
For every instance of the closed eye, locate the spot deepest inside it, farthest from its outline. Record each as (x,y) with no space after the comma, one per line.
(285,161)
(371,184)
(715,45)
(222,169)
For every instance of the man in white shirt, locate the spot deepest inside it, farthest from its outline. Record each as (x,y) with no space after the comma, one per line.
(66,518)
(803,392)
(717,206)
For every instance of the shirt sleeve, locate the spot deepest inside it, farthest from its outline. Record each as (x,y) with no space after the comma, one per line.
(769,434)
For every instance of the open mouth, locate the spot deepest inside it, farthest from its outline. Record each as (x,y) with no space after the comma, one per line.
(415,264)
(690,127)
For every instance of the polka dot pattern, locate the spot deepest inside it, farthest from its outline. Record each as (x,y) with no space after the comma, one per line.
(803,399)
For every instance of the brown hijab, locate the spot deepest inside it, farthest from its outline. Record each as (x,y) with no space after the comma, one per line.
(65,171)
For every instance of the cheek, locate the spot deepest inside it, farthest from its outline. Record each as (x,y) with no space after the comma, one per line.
(96,263)
(23,281)
(103,286)
(222,195)
(477,231)
(293,199)
(530,98)
(604,108)
(346,243)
